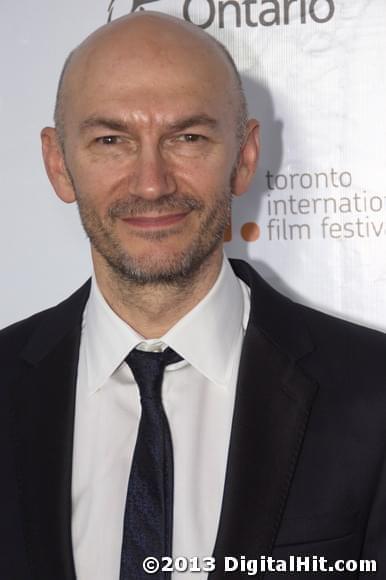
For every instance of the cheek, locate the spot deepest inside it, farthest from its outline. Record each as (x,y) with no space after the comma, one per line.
(98,183)
(90,168)
(210,176)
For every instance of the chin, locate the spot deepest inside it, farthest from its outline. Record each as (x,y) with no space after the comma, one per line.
(158,267)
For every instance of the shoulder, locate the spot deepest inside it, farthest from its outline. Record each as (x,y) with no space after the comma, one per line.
(355,338)
(347,359)
(271,306)
(15,337)
(322,340)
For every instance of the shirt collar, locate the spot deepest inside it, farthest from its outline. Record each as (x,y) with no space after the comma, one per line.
(205,337)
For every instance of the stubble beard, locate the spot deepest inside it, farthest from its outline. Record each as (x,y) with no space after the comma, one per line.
(177,270)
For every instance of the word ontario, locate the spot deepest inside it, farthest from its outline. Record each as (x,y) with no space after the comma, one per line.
(250,13)
(254,13)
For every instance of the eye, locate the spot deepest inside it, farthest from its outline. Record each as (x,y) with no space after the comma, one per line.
(191,138)
(109,140)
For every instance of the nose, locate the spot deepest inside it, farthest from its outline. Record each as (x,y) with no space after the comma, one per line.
(152,176)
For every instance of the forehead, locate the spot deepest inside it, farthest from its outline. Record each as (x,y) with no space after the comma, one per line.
(159,80)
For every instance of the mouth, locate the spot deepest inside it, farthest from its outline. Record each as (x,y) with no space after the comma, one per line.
(155,221)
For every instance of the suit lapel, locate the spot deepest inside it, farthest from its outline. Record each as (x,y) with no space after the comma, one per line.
(44,402)
(272,405)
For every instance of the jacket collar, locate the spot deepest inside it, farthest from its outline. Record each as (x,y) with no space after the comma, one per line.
(275,315)
(271,411)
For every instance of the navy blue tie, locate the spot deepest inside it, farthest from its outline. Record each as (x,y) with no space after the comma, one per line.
(148,522)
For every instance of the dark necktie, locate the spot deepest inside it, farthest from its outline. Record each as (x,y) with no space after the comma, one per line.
(148,522)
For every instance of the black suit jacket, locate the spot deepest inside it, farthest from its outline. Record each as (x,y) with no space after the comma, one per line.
(306,467)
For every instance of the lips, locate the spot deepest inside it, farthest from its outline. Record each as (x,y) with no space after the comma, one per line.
(156,221)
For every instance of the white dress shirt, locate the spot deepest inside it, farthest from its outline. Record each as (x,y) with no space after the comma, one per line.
(198,396)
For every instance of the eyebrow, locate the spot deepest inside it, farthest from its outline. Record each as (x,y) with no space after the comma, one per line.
(95,121)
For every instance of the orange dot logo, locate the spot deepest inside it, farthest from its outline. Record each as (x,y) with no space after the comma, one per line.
(250,232)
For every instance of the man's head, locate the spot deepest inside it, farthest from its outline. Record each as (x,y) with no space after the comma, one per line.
(151,121)
(240,103)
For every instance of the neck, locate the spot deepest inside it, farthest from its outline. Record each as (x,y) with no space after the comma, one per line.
(152,309)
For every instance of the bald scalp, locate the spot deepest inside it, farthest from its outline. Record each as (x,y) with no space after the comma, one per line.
(148,21)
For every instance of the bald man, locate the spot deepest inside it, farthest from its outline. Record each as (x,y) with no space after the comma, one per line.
(175,405)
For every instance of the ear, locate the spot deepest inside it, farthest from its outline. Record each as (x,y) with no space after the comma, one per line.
(248,158)
(55,165)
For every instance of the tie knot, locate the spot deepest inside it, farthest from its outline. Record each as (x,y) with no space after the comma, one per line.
(148,368)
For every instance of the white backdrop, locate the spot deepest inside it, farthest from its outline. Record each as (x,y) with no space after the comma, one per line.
(314,222)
